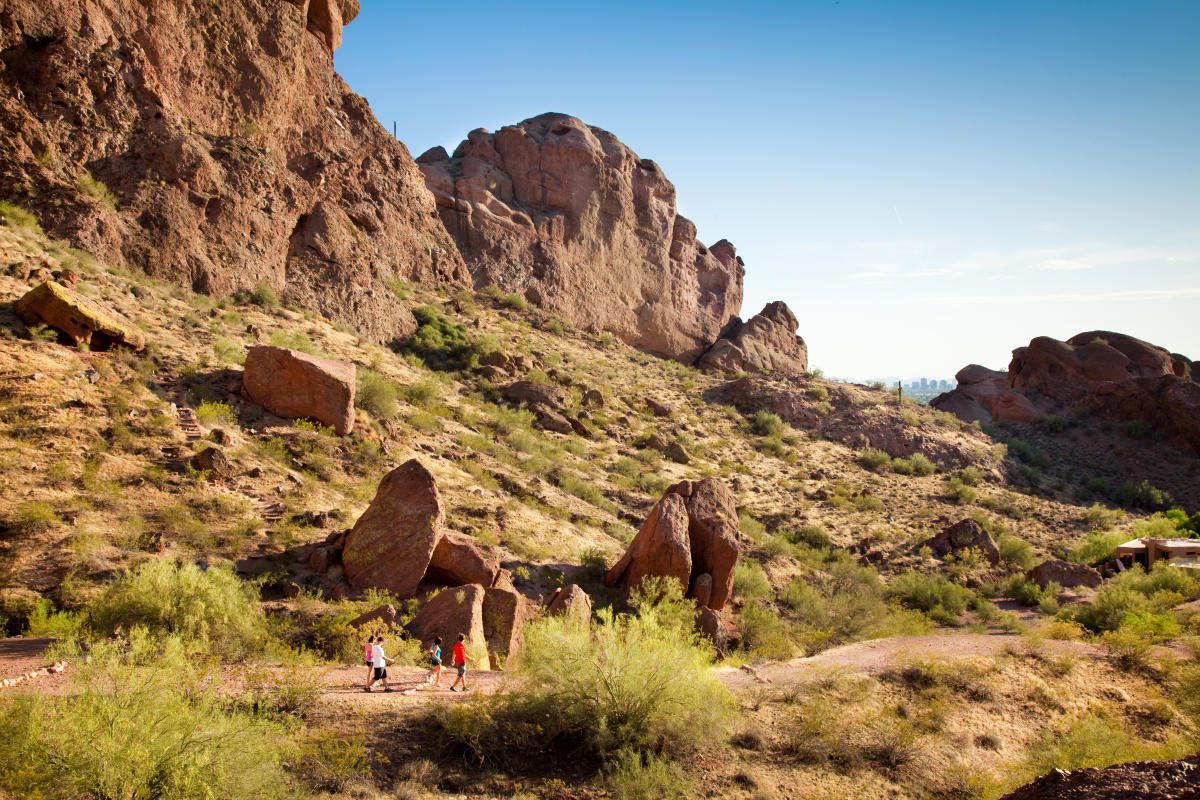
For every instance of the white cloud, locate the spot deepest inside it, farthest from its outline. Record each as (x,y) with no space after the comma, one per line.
(1063,264)
(1063,297)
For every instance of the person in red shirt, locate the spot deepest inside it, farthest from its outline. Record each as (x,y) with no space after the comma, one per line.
(460,663)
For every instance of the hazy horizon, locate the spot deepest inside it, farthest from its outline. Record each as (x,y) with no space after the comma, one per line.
(926,185)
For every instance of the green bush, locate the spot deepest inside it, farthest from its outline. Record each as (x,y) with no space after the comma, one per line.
(764,423)
(17,217)
(960,492)
(634,776)
(45,621)
(212,606)
(441,343)
(1031,454)
(264,296)
(749,580)
(139,725)
(507,299)
(35,516)
(376,394)
(1097,547)
(1140,495)
(933,595)
(1025,590)
(212,413)
(1014,552)
(874,459)
(811,535)
(92,187)
(640,682)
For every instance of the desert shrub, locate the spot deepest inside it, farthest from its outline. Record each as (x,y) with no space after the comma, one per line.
(441,343)
(1110,608)
(1055,423)
(16,217)
(94,188)
(1014,552)
(1184,523)
(213,413)
(811,535)
(960,492)
(749,580)
(640,682)
(139,724)
(376,394)
(35,516)
(1094,740)
(1097,547)
(228,351)
(921,465)
(295,340)
(764,423)
(902,466)
(971,476)
(1140,495)
(874,459)
(212,606)
(933,595)
(263,296)
(330,760)
(763,633)
(428,393)
(1004,505)
(635,776)
(593,558)
(1031,454)
(817,392)
(750,526)
(502,298)
(1025,590)
(44,620)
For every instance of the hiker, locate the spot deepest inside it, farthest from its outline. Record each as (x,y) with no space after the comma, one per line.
(368,655)
(380,662)
(460,663)
(435,663)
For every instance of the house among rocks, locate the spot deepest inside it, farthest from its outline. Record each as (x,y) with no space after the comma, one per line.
(1146,551)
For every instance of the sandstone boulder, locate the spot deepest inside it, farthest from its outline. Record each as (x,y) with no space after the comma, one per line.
(709,623)
(533,394)
(294,384)
(678,453)
(385,614)
(661,547)
(459,559)
(548,420)
(571,601)
(454,610)
(212,461)
(965,534)
(1065,574)
(658,408)
(768,342)
(563,213)
(78,318)
(391,544)
(691,535)
(504,614)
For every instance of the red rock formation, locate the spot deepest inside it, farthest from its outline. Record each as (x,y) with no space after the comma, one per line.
(571,601)
(767,343)
(294,384)
(566,215)
(79,319)
(1112,375)
(454,610)
(1065,574)
(1135,780)
(962,535)
(233,152)
(461,559)
(504,614)
(391,544)
(691,535)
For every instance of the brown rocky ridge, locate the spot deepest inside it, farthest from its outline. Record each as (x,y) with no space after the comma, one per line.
(767,343)
(213,145)
(1111,375)
(566,215)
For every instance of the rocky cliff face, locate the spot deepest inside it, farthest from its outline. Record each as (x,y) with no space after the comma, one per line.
(566,215)
(767,343)
(1109,374)
(228,149)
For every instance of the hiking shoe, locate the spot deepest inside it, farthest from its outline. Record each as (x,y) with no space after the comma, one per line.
(387,690)
(367,690)
(453,689)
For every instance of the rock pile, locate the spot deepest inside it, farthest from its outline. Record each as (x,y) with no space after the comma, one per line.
(767,343)
(962,535)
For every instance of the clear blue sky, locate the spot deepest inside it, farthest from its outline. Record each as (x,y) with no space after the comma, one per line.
(926,184)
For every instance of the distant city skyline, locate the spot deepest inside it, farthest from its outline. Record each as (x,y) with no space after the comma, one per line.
(926,184)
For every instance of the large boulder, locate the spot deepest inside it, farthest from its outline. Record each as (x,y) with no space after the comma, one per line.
(571,601)
(535,394)
(392,543)
(294,384)
(691,535)
(454,610)
(567,216)
(767,343)
(461,559)
(78,318)
(1065,574)
(661,547)
(504,614)
(234,152)
(385,614)
(962,535)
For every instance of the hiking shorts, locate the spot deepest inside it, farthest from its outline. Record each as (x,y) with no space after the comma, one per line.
(380,673)
(435,662)
(462,670)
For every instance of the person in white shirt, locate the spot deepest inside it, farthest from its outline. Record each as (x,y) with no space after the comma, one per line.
(380,661)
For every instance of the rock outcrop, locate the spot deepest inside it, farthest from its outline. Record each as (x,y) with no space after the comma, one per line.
(295,384)
(461,559)
(691,535)
(962,535)
(78,319)
(1065,574)
(504,613)
(571,601)
(1109,374)
(1136,780)
(212,144)
(767,343)
(391,544)
(569,217)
